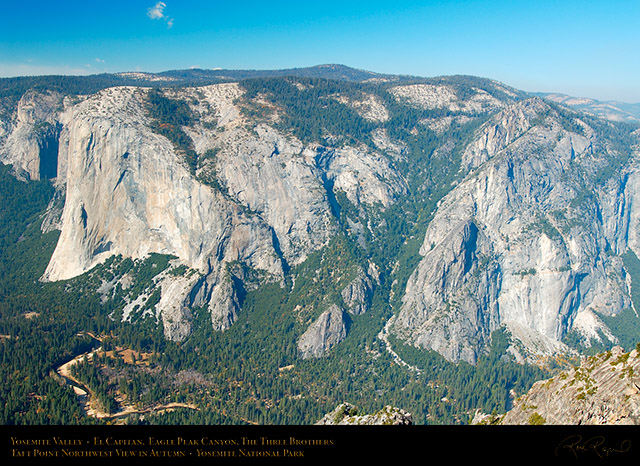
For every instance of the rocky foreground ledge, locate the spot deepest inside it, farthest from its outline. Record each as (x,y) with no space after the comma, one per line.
(603,390)
(347,414)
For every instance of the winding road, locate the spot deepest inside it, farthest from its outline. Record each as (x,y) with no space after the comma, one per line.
(87,398)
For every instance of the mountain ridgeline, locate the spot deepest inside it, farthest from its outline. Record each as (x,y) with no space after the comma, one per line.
(297,239)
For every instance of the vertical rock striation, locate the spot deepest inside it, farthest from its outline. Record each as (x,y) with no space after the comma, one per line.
(519,243)
(128,192)
(257,197)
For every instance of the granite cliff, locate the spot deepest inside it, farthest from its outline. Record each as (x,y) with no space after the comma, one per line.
(522,209)
(529,239)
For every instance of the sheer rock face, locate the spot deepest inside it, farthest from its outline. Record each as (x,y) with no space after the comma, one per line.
(501,131)
(174,307)
(29,141)
(515,244)
(451,300)
(125,190)
(331,327)
(603,390)
(280,179)
(328,330)
(274,177)
(129,193)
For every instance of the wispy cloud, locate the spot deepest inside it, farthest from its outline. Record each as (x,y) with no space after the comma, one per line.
(157,12)
(31,69)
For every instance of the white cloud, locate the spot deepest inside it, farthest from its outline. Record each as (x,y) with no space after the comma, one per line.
(157,11)
(99,60)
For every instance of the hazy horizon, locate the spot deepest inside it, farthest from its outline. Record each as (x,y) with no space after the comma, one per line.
(581,49)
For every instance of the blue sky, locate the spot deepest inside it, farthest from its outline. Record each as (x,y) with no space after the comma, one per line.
(582,48)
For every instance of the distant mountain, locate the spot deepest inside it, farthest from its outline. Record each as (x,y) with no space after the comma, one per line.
(330,71)
(610,110)
(90,84)
(15,87)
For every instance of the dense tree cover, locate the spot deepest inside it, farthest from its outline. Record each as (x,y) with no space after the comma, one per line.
(486,385)
(310,109)
(14,88)
(252,373)
(169,116)
(43,325)
(20,202)
(249,374)
(34,337)
(335,72)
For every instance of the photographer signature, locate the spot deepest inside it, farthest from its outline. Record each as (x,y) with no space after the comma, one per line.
(577,446)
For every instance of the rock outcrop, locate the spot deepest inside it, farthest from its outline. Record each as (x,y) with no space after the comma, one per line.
(437,96)
(451,300)
(347,414)
(358,293)
(129,193)
(329,329)
(258,197)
